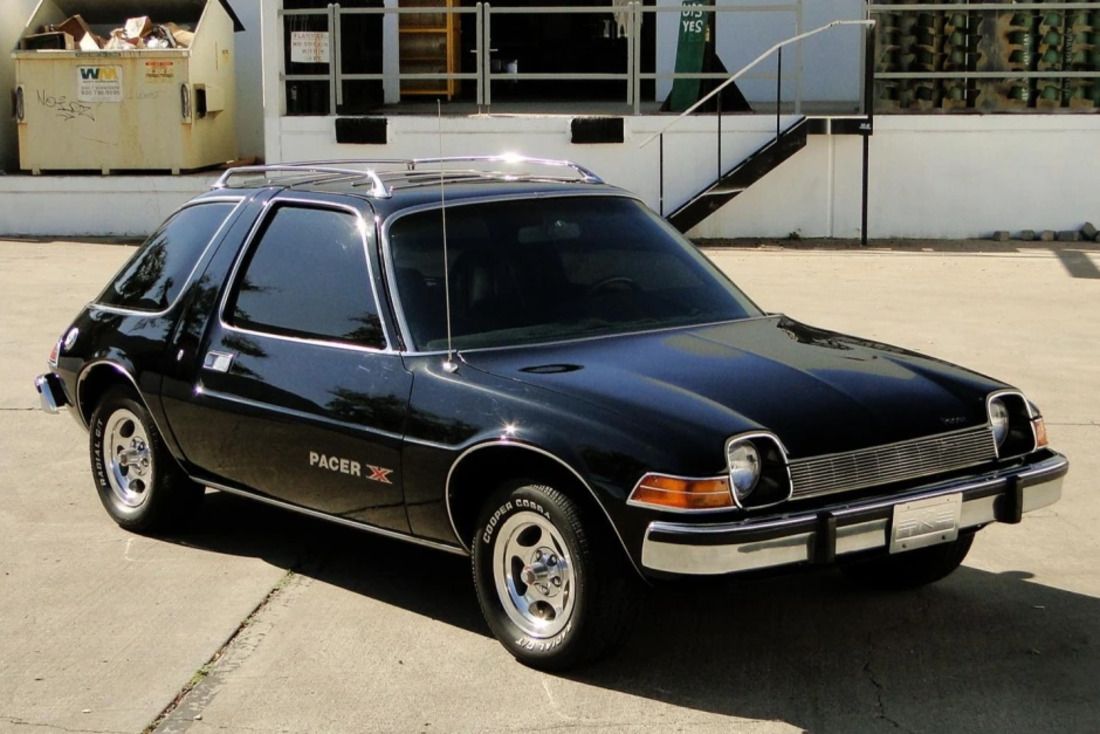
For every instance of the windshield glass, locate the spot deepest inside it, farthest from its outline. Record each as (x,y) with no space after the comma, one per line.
(540,270)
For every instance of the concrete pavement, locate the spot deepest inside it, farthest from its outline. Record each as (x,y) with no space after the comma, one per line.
(261,620)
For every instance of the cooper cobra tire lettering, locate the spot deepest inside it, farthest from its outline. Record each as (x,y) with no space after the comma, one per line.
(550,580)
(494,521)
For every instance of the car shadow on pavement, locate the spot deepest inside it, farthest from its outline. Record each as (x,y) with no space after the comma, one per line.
(421,580)
(975,652)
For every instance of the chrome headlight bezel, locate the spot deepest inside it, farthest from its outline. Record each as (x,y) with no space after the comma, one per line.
(1021,436)
(772,483)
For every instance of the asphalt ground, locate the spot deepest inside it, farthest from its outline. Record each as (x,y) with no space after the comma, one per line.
(259,620)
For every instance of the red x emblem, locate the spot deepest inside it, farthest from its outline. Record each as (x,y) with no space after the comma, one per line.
(378,474)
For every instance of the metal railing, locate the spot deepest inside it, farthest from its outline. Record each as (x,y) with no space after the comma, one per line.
(777,50)
(484,76)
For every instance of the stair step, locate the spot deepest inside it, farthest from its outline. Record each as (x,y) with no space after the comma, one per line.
(732,183)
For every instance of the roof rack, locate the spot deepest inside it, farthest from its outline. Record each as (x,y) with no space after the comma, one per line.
(586,175)
(378,188)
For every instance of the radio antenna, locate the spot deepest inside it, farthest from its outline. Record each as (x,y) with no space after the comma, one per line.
(449,365)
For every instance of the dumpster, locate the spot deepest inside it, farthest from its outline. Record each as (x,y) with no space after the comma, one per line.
(124,85)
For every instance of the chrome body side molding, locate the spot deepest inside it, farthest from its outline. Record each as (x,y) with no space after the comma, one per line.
(333,518)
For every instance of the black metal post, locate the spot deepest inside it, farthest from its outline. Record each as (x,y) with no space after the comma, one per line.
(661,171)
(778,90)
(867,129)
(719,162)
(866,177)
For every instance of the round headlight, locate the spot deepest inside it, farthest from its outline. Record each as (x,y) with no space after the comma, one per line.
(998,419)
(744,461)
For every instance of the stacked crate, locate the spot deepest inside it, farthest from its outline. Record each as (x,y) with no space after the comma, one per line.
(928,56)
(960,53)
(1007,44)
(910,42)
(1078,54)
(1052,51)
(891,94)
(997,41)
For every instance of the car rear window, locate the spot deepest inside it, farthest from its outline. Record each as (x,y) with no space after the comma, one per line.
(157,272)
(551,269)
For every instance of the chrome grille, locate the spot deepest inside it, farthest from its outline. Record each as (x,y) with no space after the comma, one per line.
(893,462)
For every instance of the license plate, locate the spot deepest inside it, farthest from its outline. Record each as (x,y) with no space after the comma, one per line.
(925,522)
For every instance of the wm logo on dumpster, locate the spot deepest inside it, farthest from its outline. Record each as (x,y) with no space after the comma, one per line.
(99,73)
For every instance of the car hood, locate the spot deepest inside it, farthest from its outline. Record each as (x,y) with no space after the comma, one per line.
(819,391)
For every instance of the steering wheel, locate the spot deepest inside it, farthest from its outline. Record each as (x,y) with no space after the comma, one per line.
(616,282)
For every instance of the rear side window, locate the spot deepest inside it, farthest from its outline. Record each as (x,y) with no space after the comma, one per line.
(307,277)
(158,271)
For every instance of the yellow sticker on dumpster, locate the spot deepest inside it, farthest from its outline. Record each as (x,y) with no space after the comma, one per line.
(99,83)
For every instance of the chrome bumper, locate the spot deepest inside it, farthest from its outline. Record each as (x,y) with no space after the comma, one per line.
(820,535)
(51,394)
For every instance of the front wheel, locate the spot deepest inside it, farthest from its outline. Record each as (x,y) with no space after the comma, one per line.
(911,569)
(553,593)
(139,483)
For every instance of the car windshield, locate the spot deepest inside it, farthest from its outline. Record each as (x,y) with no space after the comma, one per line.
(552,269)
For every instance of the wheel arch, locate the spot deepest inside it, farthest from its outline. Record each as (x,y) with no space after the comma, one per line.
(480,469)
(96,379)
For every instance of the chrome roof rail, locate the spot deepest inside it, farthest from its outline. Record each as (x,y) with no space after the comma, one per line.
(378,188)
(587,175)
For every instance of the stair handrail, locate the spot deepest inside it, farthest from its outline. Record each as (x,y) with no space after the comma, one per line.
(869,23)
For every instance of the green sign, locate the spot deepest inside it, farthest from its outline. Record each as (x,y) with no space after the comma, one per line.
(690,47)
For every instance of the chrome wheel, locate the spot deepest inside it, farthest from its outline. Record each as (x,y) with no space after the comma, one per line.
(128,458)
(533,574)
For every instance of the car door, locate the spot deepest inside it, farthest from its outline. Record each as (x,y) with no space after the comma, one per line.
(298,396)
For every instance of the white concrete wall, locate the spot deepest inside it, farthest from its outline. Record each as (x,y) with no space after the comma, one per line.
(931,176)
(690,151)
(250,123)
(115,206)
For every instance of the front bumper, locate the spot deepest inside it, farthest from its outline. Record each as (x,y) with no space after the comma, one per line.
(823,534)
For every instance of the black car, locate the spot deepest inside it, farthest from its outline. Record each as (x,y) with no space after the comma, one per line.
(512,360)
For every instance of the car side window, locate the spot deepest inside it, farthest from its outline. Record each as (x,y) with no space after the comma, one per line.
(307,276)
(157,272)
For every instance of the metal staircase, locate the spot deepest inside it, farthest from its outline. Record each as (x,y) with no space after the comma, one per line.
(784,145)
(740,177)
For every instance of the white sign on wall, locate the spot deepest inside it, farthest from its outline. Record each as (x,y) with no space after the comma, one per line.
(99,83)
(309,47)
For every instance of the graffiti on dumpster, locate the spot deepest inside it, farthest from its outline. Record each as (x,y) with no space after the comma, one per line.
(65,108)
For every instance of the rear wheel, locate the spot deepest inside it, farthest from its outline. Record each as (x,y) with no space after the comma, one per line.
(911,569)
(139,483)
(554,593)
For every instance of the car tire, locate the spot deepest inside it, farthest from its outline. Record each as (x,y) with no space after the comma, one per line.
(911,569)
(139,482)
(554,592)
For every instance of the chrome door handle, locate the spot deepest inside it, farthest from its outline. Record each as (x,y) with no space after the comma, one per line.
(217,361)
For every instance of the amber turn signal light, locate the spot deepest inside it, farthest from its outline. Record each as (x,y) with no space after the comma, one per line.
(681,493)
(1040,428)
